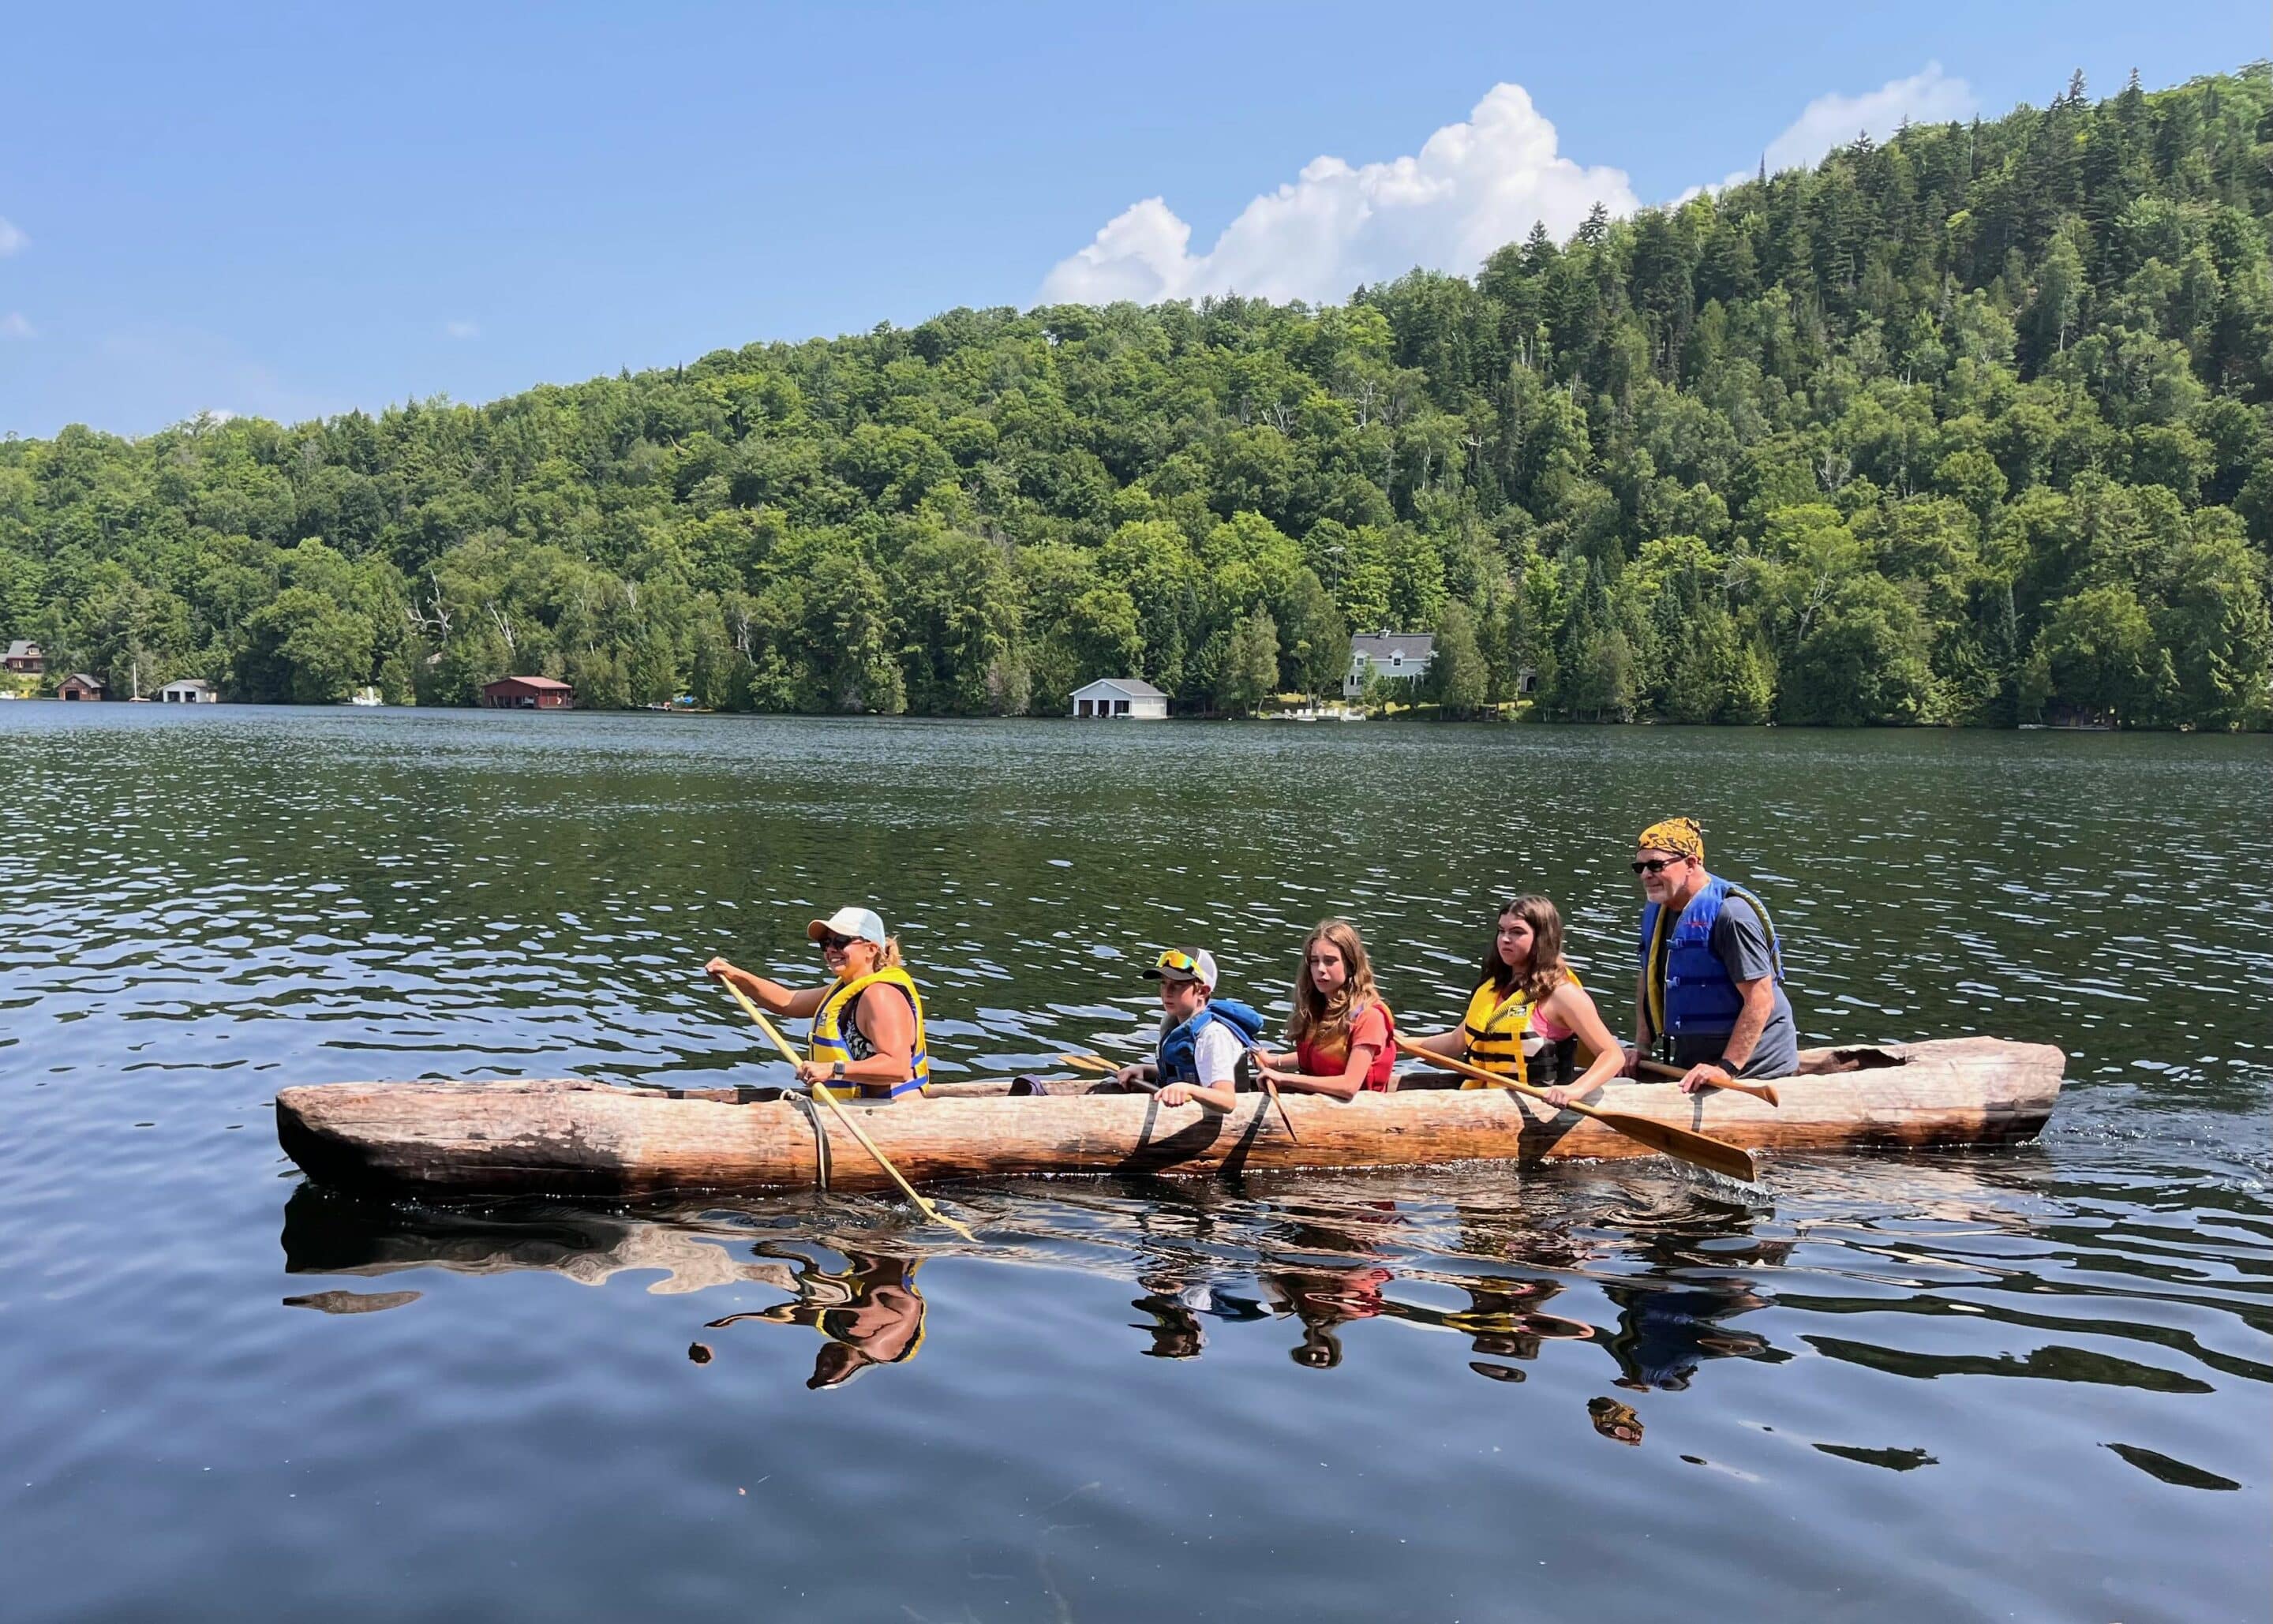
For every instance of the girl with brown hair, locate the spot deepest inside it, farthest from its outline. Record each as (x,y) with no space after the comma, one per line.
(1528,1014)
(1345,1038)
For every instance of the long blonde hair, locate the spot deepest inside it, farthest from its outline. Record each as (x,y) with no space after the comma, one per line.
(1548,969)
(1318,1019)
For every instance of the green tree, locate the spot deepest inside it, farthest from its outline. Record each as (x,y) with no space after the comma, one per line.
(303,648)
(1456,676)
(2097,657)
(1247,673)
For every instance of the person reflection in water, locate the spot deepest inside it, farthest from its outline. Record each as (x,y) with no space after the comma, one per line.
(1176,1327)
(1667,1332)
(872,1314)
(1325,1297)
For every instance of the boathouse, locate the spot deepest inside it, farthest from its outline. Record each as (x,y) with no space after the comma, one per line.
(25,658)
(1401,657)
(189,691)
(1120,696)
(527,693)
(80,686)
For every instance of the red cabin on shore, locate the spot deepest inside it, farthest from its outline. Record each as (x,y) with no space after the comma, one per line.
(527,693)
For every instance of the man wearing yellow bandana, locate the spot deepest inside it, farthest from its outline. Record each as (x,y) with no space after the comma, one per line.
(1709,996)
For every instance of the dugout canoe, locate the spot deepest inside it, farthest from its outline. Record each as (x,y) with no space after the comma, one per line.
(566,1136)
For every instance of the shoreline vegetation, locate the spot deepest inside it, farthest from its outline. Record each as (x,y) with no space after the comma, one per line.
(1972,428)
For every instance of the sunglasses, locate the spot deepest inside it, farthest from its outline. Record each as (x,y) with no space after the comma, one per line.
(834,943)
(1656,865)
(1182,963)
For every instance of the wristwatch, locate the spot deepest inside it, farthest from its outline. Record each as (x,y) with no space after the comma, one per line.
(836,1072)
(1728,1066)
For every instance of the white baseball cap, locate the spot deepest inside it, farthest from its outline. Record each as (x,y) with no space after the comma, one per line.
(1185,964)
(859,922)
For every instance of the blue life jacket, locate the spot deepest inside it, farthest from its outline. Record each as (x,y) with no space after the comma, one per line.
(1699,995)
(1179,1056)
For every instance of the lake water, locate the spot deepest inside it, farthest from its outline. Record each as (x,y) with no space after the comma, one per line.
(2031,1383)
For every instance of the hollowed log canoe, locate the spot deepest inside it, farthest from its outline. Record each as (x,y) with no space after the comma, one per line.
(566,1136)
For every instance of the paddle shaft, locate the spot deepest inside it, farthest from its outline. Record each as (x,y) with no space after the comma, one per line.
(1757,1090)
(1732,1160)
(1271,1088)
(845,1116)
(1092,1063)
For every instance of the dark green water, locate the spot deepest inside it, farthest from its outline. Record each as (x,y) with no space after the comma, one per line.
(2034,1383)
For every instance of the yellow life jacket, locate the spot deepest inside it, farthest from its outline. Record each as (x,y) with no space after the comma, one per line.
(1494,1028)
(830,1044)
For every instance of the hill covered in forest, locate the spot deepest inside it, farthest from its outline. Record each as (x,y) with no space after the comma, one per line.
(1975,426)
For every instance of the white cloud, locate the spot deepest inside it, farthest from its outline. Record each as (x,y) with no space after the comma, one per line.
(1472,187)
(462,329)
(1927,97)
(13,325)
(12,237)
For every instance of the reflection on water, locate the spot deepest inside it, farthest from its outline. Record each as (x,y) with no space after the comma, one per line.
(1312,1265)
(1521,1271)
(870,1312)
(1476,1393)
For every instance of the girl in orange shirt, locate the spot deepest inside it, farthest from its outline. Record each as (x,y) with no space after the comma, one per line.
(1344,1036)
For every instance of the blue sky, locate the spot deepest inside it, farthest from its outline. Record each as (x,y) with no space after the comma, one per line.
(292,210)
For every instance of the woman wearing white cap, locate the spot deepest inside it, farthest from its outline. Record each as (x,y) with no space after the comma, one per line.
(871,1045)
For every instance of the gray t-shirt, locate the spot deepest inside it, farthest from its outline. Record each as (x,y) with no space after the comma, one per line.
(1741,942)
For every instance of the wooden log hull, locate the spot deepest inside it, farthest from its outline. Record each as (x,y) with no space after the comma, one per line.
(571,1137)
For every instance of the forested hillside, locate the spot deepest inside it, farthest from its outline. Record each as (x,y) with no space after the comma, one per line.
(1971,427)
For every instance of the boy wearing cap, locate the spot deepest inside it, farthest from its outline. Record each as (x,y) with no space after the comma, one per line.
(865,1041)
(1202,1036)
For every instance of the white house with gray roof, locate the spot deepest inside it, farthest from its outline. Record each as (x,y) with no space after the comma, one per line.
(1401,657)
(1120,696)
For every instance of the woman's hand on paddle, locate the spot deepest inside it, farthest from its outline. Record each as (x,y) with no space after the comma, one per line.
(719,969)
(813,1073)
(1559,1098)
(1176,1094)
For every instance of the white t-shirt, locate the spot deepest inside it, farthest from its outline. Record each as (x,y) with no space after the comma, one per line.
(1215,1054)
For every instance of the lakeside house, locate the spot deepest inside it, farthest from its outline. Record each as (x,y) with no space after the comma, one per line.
(527,693)
(1401,657)
(1120,696)
(25,658)
(189,691)
(80,686)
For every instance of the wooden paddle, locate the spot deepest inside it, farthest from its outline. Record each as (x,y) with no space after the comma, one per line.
(1757,1090)
(1092,1063)
(845,1116)
(1731,1161)
(1271,1088)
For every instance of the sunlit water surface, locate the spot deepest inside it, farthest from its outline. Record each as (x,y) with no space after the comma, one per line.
(2033,1383)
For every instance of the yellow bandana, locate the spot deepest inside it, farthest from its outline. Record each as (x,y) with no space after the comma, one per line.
(1681,837)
